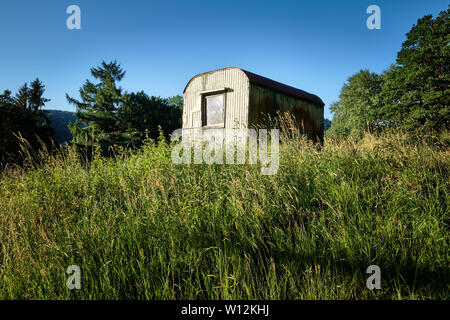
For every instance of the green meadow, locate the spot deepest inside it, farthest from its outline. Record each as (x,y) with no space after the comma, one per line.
(141,227)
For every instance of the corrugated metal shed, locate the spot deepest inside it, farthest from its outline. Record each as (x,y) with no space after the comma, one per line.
(246,97)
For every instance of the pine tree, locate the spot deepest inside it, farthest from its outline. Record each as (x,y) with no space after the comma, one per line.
(35,98)
(21,98)
(99,106)
(21,116)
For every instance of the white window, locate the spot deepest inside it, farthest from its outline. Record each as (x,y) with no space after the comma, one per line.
(213,110)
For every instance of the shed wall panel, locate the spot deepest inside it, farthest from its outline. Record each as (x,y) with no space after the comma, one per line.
(235,99)
(265,101)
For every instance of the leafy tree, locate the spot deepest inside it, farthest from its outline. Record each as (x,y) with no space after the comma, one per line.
(176,103)
(416,93)
(359,97)
(141,115)
(326,124)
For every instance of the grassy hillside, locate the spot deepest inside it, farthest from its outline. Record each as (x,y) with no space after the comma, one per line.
(59,121)
(141,227)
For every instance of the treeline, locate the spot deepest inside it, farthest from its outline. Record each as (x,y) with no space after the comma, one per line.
(111,118)
(23,121)
(106,116)
(413,94)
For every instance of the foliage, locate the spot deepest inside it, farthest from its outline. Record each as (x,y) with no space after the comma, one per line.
(326,124)
(416,94)
(357,100)
(22,118)
(141,227)
(99,106)
(412,95)
(141,116)
(113,118)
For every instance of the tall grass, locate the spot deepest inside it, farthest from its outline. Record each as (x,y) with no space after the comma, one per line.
(141,227)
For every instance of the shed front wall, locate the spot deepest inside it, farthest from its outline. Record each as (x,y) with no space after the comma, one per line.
(236,98)
(266,101)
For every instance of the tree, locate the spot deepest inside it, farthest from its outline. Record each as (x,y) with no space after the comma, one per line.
(35,95)
(112,118)
(141,115)
(177,102)
(8,124)
(416,92)
(174,122)
(326,124)
(21,99)
(359,97)
(21,116)
(99,106)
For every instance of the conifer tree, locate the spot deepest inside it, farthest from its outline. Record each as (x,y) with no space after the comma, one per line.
(99,106)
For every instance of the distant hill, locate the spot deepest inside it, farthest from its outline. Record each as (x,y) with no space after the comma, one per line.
(59,121)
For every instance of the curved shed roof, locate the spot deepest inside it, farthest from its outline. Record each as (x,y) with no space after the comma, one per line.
(271,84)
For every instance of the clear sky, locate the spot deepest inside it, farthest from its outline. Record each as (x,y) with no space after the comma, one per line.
(312,45)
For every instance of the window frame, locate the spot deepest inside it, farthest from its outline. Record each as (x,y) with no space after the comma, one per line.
(204,97)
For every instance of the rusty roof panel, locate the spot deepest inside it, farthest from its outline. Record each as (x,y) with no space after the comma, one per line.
(274,85)
(283,88)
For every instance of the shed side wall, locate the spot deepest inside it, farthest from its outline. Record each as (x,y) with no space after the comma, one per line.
(267,101)
(236,98)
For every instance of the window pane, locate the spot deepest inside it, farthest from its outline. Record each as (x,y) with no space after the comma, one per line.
(214,110)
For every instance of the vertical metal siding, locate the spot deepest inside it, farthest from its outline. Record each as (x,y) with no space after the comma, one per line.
(236,98)
(264,100)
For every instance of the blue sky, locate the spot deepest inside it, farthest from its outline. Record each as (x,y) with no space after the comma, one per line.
(311,45)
